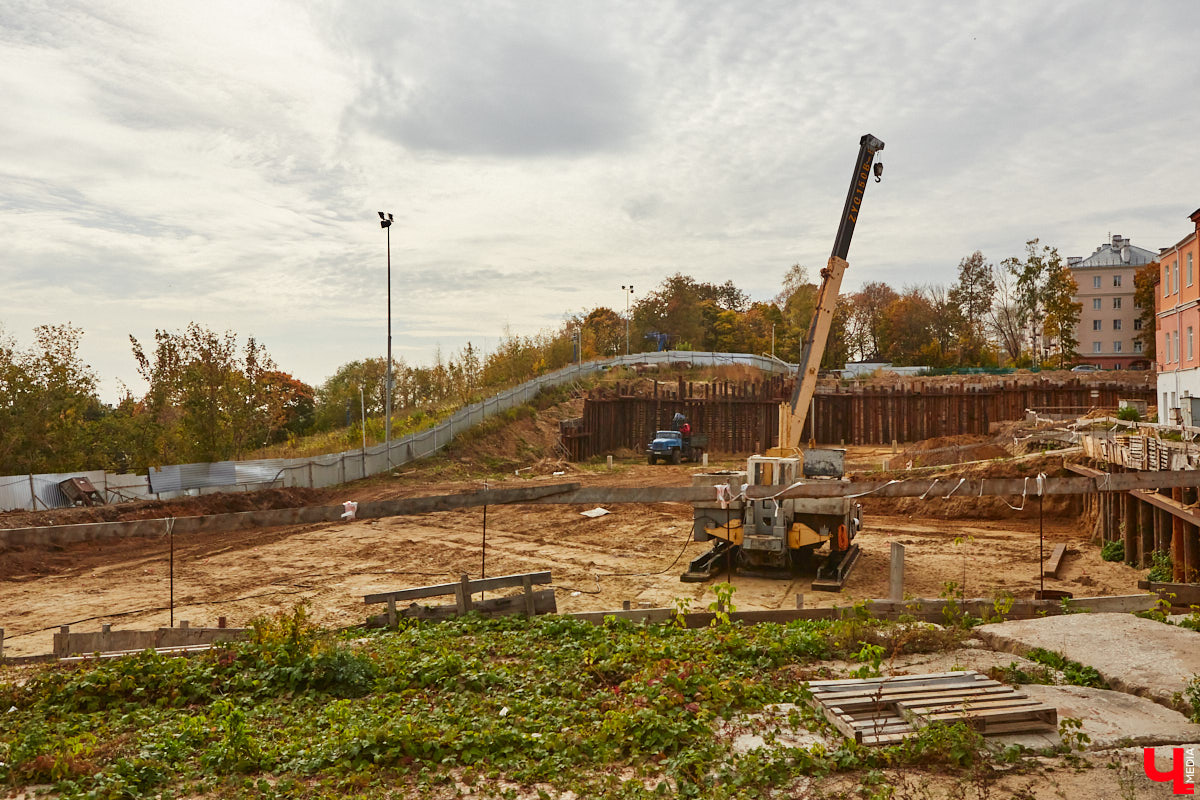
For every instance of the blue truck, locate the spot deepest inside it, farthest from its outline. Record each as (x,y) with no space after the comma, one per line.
(674,447)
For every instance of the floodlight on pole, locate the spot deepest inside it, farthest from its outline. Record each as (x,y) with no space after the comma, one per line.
(385,222)
(628,290)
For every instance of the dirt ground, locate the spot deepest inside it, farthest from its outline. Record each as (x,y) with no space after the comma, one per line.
(635,553)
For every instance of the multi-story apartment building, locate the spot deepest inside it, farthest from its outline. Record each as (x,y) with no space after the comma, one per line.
(1177,323)
(1109,321)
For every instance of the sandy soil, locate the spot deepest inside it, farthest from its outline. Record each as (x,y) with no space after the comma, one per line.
(635,553)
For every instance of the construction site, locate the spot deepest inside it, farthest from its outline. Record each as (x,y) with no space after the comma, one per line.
(1045,505)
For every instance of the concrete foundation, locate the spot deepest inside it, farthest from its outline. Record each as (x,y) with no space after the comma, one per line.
(1134,655)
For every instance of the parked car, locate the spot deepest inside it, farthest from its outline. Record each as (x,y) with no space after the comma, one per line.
(1086,368)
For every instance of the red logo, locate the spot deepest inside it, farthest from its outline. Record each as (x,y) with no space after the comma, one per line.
(1183,769)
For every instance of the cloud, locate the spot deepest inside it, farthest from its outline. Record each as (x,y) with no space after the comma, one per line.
(495,85)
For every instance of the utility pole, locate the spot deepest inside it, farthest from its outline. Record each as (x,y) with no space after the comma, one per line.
(628,293)
(385,222)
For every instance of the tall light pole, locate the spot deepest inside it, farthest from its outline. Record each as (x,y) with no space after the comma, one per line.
(385,222)
(628,293)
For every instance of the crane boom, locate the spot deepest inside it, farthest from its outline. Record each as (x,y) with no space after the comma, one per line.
(792,415)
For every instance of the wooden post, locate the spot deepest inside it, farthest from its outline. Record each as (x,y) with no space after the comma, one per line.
(221,622)
(1145,531)
(626,605)
(799,600)
(896,577)
(183,624)
(1132,540)
(527,585)
(1,642)
(1177,547)
(1191,552)
(462,594)
(391,612)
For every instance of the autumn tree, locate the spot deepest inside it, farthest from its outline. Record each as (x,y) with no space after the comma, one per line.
(1004,316)
(211,401)
(866,324)
(972,296)
(1062,311)
(603,333)
(1038,286)
(1145,290)
(47,396)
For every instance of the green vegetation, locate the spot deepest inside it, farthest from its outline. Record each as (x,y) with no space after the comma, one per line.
(1073,672)
(616,710)
(1129,414)
(1161,570)
(1113,551)
(1050,666)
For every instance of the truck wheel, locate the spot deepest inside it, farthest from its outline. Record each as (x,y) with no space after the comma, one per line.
(650,459)
(676,456)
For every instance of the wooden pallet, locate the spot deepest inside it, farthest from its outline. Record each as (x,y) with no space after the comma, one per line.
(881,711)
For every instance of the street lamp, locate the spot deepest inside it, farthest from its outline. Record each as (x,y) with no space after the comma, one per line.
(628,293)
(385,222)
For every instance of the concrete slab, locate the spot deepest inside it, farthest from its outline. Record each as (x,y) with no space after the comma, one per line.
(1115,719)
(1134,655)
(751,732)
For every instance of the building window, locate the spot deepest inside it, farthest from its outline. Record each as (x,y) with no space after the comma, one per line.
(1175,268)
(1116,324)
(1166,279)
(1166,348)
(1116,280)
(1189,271)
(1137,324)
(1175,345)
(1137,345)
(1095,347)
(1116,302)
(1095,281)
(1095,303)
(1189,343)
(1096,325)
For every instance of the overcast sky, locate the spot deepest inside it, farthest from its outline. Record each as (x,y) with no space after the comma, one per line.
(222,163)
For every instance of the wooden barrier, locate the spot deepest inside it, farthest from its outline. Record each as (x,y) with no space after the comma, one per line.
(742,416)
(529,603)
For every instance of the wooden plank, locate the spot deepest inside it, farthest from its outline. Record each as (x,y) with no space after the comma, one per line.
(985,715)
(544,603)
(476,586)
(1186,594)
(933,676)
(846,728)
(854,705)
(1050,569)
(969,705)
(939,687)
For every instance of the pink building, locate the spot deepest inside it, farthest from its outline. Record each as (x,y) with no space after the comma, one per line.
(1109,322)
(1177,323)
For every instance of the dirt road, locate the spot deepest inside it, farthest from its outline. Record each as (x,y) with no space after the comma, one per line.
(635,553)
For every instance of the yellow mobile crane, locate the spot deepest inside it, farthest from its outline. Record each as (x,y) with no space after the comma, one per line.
(772,536)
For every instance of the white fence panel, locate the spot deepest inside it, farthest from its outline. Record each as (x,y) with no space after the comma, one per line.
(20,491)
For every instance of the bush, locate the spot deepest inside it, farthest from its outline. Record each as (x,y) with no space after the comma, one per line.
(1113,551)
(1129,414)
(1161,570)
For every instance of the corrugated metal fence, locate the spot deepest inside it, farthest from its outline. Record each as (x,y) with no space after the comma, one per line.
(31,492)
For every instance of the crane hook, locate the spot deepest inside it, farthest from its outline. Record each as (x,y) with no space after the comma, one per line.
(878,171)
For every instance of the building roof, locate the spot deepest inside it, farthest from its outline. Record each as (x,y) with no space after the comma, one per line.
(1117,253)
